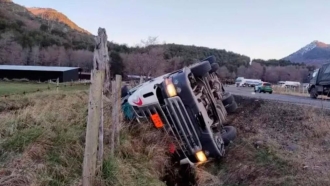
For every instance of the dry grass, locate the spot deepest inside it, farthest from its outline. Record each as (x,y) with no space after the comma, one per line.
(42,143)
(277,144)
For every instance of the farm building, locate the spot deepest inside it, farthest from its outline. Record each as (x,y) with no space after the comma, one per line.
(40,73)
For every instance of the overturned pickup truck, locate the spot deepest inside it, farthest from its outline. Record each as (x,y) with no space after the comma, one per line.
(190,104)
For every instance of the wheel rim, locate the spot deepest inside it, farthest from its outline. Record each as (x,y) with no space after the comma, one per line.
(219,143)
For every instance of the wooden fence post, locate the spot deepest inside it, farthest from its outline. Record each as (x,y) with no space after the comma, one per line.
(118,108)
(113,119)
(94,119)
(141,80)
(100,75)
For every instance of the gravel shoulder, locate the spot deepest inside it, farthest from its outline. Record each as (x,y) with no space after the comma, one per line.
(298,100)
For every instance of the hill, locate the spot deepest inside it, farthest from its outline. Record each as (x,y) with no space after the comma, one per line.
(315,53)
(33,40)
(53,15)
(44,36)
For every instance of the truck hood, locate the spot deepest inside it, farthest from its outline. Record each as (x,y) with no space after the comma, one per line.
(145,93)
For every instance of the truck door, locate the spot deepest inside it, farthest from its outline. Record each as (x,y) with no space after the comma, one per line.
(323,77)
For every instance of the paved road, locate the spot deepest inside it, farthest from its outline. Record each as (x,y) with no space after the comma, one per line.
(243,91)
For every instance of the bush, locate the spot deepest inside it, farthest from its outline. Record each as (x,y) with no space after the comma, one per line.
(44,27)
(58,33)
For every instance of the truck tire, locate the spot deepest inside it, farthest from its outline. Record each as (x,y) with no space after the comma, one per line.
(232,107)
(313,93)
(201,69)
(220,144)
(227,98)
(214,67)
(228,134)
(210,59)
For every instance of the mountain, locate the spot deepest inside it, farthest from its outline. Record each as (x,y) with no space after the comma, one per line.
(43,37)
(53,15)
(315,53)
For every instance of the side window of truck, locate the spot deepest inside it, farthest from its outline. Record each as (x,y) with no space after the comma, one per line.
(327,70)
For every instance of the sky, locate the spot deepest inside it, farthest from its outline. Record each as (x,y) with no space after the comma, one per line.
(265,29)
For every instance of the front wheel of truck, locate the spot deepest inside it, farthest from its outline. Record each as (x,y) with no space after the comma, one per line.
(313,93)
(220,144)
(232,107)
(228,134)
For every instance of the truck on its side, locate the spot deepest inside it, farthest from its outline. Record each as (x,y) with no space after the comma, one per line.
(191,105)
(320,82)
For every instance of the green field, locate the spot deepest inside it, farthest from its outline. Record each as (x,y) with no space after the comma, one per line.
(9,88)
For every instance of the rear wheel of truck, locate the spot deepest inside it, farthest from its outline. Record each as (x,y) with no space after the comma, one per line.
(210,59)
(232,107)
(227,98)
(201,69)
(228,134)
(214,67)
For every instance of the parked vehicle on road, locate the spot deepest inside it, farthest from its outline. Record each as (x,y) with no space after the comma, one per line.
(288,84)
(263,88)
(191,105)
(320,82)
(242,82)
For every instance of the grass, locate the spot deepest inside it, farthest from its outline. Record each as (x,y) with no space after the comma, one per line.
(42,144)
(42,139)
(9,88)
(295,91)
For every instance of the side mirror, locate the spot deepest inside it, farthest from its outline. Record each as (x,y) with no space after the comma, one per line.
(309,74)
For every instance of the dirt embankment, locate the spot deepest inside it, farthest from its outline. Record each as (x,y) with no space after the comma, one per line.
(277,144)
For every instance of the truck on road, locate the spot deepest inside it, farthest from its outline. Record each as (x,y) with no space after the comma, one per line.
(320,82)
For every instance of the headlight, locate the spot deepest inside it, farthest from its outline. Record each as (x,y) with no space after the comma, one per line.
(201,156)
(170,88)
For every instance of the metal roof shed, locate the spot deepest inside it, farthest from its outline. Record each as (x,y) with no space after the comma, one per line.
(42,73)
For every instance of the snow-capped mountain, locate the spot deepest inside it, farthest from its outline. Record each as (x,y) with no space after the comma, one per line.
(315,52)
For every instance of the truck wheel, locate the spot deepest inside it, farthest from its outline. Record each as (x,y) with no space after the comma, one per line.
(214,67)
(201,69)
(313,93)
(227,98)
(210,59)
(220,144)
(228,134)
(232,107)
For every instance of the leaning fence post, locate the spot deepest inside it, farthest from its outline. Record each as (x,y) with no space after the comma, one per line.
(118,104)
(93,157)
(113,118)
(93,121)
(141,80)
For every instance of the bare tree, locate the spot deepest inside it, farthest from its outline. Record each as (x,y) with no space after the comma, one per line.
(150,41)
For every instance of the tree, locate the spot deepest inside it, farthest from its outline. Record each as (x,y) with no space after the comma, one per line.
(117,65)
(224,72)
(150,41)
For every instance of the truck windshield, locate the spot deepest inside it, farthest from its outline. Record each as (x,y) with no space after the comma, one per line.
(315,72)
